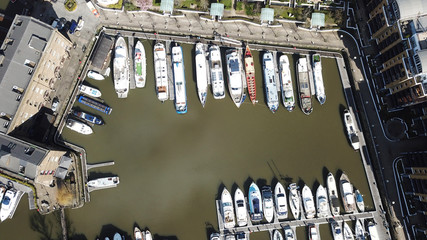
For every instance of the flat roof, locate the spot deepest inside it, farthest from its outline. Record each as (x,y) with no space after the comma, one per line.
(423,59)
(267,14)
(409,9)
(217,9)
(102,49)
(19,56)
(166,5)
(318,19)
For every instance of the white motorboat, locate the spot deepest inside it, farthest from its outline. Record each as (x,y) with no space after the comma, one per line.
(289,233)
(161,72)
(121,68)
(148,235)
(8,204)
(267,202)
(308,202)
(241,209)
(214,236)
(359,201)
(117,236)
(373,231)
(255,205)
(318,79)
(270,83)
(352,132)
(347,233)
(217,77)
(90,91)
(322,202)
(242,236)
(94,75)
(227,209)
(304,89)
(230,237)
(334,202)
(313,233)
(280,201)
(201,73)
(78,126)
(294,200)
(137,234)
(179,80)
(288,97)
(140,65)
(347,194)
(234,70)
(277,235)
(104,182)
(360,230)
(336,230)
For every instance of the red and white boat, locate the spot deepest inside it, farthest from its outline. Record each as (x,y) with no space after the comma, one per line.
(250,74)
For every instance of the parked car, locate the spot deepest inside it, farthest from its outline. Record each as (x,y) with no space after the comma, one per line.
(73,27)
(55,104)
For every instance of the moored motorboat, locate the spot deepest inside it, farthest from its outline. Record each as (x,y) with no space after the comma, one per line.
(359,201)
(230,237)
(117,236)
(148,235)
(304,86)
(322,202)
(287,89)
(360,230)
(313,233)
(267,202)
(336,230)
(347,233)
(235,84)
(250,74)
(201,73)
(161,72)
(373,231)
(214,236)
(104,182)
(280,201)
(8,204)
(88,117)
(334,202)
(102,107)
(270,84)
(227,209)
(255,205)
(352,132)
(347,194)
(289,233)
(308,202)
(242,236)
(241,209)
(179,80)
(318,79)
(78,126)
(277,235)
(294,200)
(140,65)
(94,75)
(217,76)
(121,68)
(90,91)
(137,234)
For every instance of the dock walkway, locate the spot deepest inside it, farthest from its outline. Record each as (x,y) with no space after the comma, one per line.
(170,70)
(131,63)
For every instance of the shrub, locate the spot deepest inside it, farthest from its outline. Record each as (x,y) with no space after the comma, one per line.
(70,5)
(118,5)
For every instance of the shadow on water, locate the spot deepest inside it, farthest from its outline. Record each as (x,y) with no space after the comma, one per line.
(325,172)
(261,182)
(159,237)
(95,175)
(109,230)
(209,229)
(220,189)
(46,225)
(247,184)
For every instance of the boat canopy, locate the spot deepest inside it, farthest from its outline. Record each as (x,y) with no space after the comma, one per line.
(6,200)
(349,198)
(359,198)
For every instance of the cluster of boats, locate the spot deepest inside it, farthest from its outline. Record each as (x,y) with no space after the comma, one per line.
(8,201)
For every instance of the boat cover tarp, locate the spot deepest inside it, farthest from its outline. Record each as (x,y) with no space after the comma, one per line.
(335,202)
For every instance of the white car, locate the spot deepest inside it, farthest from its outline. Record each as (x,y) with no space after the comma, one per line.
(80,24)
(55,104)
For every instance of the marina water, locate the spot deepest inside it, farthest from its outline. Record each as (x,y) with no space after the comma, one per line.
(172,167)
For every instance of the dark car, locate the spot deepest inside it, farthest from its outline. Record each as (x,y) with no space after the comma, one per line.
(73,26)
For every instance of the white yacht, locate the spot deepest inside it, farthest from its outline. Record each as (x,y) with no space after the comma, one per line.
(336,230)
(201,73)
(121,68)
(322,202)
(235,83)
(347,194)
(360,230)
(318,79)
(294,200)
(351,130)
(270,84)
(280,201)
(373,231)
(148,235)
(289,233)
(94,75)
(277,235)
(104,182)
(287,88)
(313,233)
(347,233)
(8,204)
(140,65)
(334,202)
(137,234)
(227,209)
(217,77)
(241,209)
(179,80)
(90,91)
(255,205)
(161,72)
(308,201)
(78,126)
(267,202)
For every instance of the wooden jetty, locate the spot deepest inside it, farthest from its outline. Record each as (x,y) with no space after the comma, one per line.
(132,84)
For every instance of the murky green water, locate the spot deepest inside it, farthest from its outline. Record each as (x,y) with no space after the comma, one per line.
(172,166)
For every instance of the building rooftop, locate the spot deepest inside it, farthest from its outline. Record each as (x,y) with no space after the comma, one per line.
(20,157)
(317,20)
(267,14)
(19,56)
(410,9)
(166,5)
(217,10)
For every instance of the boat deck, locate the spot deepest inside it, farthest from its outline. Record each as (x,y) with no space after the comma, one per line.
(170,72)
(132,83)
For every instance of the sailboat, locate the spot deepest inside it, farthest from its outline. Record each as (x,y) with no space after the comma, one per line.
(140,65)
(250,74)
